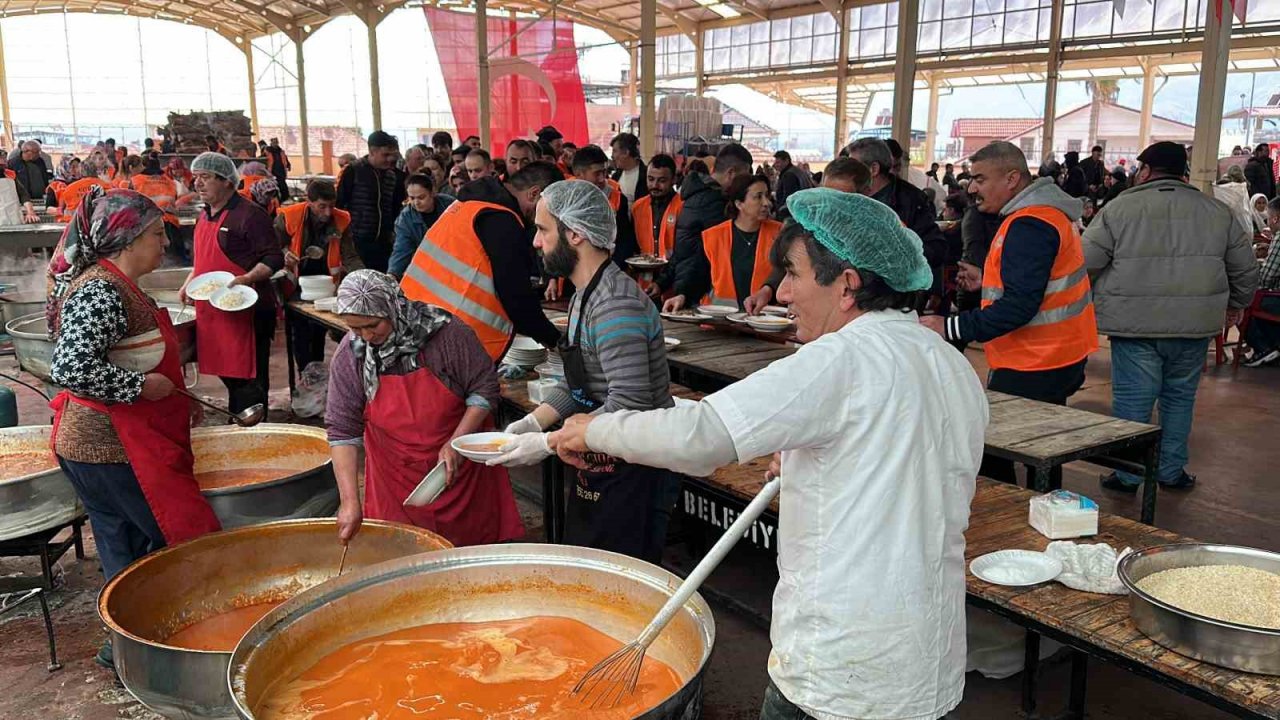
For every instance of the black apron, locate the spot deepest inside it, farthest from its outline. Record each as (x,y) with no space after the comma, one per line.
(612,504)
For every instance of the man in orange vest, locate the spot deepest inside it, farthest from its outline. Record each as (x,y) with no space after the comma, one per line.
(1037,318)
(476,260)
(654,214)
(315,223)
(591,164)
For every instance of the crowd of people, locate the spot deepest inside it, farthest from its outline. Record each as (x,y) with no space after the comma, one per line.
(442,254)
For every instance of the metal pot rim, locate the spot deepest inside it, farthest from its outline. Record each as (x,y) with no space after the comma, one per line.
(33,429)
(450,558)
(1123,568)
(263,429)
(115,627)
(10,326)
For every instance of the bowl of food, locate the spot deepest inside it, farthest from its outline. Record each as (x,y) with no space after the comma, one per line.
(35,495)
(768,323)
(718,311)
(203,286)
(234,299)
(646,261)
(1216,603)
(479,447)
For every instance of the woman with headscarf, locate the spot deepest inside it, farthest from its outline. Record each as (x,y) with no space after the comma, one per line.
(130,166)
(68,172)
(252,173)
(1233,190)
(1258,204)
(177,170)
(265,193)
(72,195)
(403,383)
(121,432)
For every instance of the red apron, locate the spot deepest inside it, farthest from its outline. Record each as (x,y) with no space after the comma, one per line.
(410,418)
(225,343)
(156,435)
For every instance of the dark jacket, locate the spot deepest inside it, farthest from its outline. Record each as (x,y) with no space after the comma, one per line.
(1261,176)
(1094,171)
(1074,184)
(642,184)
(507,244)
(790,181)
(689,269)
(374,198)
(916,212)
(411,227)
(35,176)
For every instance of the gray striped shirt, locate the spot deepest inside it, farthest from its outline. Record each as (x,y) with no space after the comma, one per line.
(622,347)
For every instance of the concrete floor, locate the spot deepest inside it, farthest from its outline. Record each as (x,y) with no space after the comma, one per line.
(1232,451)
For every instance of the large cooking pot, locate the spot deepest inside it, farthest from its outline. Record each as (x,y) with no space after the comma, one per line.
(616,594)
(34,348)
(32,501)
(163,284)
(15,305)
(174,587)
(1233,645)
(304,488)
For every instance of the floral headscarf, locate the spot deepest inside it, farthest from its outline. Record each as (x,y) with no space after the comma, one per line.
(177,170)
(118,218)
(375,294)
(265,191)
(66,173)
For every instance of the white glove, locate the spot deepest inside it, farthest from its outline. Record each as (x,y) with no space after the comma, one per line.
(526,424)
(530,448)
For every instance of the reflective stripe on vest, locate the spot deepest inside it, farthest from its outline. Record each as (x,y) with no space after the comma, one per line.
(717,245)
(451,269)
(642,218)
(1064,330)
(294,222)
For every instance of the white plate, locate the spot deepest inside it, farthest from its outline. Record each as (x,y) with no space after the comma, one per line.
(690,317)
(1016,568)
(718,310)
(672,343)
(202,287)
(768,324)
(641,261)
(429,489)
(738,317)
(244,296)
(479,438)
(522,342)
(776,310)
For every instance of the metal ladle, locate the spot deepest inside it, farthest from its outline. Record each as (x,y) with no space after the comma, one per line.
(245,418)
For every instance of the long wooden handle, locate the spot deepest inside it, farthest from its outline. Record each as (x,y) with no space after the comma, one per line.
(709,563)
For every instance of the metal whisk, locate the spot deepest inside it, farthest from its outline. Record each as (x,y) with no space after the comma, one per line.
(616,676)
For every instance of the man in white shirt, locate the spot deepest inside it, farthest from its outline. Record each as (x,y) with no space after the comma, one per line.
(880,430)
(629,170)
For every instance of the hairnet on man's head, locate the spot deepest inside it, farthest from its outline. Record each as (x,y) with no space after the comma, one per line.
(865,233)
(216,163)
(583,208)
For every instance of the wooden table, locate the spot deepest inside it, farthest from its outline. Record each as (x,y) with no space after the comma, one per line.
(307,312)
(1091,625)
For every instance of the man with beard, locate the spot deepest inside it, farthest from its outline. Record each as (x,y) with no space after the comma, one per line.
(614,359)
(475,261)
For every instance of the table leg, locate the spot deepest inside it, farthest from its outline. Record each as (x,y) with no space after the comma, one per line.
(288,349)
(48,629)
(78,535)
(1151,463)
(1079,685)
(1041,482)
(549,518)
(1030,670)
(558,497)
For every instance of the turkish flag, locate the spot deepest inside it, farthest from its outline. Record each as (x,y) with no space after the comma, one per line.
(533,77)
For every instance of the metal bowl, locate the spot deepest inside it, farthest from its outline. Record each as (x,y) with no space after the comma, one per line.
(309,490)
(174,587)
(163,284)
(16,305)
(35,501)
(614,593)
(1242,647)
(34,348)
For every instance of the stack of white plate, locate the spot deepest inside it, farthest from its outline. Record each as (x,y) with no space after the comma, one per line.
(552,368)
(315,287)
(525,352)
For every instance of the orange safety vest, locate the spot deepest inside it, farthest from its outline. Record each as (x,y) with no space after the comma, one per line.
(294,223)
(56,187)
(452,270)
(1064,331)
(162,190)
(615,195)
(642,217)
(70,198)
(717,244)
(249,181)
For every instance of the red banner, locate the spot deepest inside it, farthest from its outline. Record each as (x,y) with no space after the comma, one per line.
(533,76)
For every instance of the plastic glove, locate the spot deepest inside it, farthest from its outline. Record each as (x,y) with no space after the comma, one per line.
(1089,568)
(527,449)
(526,424)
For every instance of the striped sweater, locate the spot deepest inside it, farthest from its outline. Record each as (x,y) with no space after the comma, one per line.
(623,349)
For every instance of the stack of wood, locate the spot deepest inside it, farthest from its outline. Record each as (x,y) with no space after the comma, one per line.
(231,127)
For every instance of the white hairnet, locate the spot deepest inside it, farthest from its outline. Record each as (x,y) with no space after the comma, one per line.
(216,163)
(584,209)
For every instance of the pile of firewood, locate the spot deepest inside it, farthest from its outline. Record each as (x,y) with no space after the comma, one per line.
(231,127)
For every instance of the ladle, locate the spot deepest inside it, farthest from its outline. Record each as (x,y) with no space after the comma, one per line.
(248,417)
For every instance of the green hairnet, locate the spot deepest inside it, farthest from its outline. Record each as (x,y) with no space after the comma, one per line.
(865,233)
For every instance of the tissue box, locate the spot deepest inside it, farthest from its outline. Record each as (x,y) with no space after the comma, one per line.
(538,388)
(1063,514)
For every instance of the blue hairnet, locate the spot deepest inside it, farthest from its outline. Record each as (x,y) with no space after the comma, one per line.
(865,233)
(584,209)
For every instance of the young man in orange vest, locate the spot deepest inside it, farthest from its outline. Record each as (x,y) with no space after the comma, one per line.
(591,164)
(1037,318)
(654,214)
(476,260)
(315,223)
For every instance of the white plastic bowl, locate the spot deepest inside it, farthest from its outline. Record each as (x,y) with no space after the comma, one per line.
(460,444)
